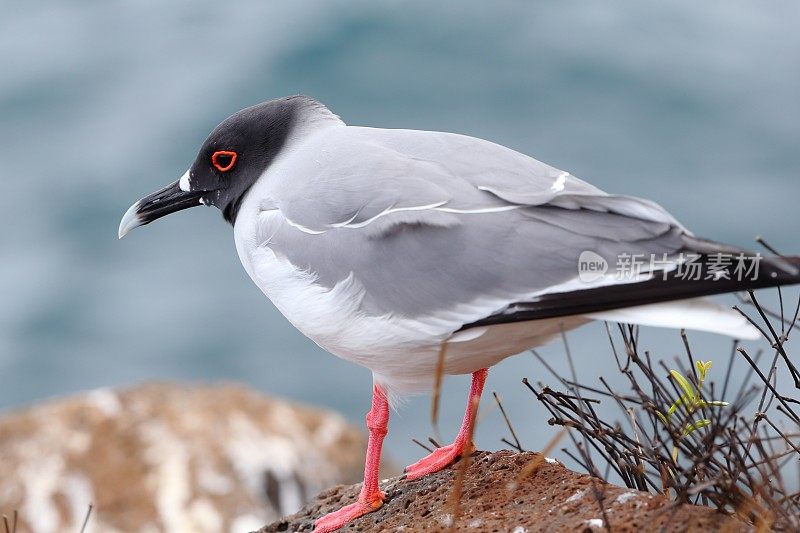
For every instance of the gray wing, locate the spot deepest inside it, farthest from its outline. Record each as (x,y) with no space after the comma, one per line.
(436,224)
(356,175)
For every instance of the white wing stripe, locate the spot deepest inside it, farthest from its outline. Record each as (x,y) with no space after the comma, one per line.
(389,211)
(435,207)
(301,227)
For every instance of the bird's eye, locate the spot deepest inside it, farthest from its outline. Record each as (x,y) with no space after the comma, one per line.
(224,160)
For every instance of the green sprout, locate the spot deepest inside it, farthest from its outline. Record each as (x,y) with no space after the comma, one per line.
(691,400)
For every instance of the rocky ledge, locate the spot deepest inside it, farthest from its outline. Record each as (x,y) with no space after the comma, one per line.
(497,498)
(170,457)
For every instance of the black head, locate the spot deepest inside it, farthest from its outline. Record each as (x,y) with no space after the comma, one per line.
(230,161)
(238,151)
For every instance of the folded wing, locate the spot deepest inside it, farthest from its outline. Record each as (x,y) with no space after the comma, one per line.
(456,230)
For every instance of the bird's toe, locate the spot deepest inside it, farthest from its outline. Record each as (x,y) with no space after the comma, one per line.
(335,520)
(440,458)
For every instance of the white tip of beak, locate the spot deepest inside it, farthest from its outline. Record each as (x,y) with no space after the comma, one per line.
(129,220)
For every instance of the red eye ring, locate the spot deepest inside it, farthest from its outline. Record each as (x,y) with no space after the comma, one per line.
(228,160)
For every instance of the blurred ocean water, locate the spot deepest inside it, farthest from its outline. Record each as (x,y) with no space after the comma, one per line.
(692,104)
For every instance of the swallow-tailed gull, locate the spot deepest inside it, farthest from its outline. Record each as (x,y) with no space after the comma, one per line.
(388,247)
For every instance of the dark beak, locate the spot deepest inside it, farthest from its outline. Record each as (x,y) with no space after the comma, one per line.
(168,200)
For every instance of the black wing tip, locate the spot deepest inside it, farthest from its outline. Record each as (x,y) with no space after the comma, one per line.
(772,271)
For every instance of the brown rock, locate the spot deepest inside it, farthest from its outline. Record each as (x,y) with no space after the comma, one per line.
(495,499)
(165,457)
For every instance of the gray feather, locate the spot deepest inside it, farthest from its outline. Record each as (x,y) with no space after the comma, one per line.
(359,196)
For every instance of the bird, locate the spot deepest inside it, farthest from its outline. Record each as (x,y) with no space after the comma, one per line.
(403,250)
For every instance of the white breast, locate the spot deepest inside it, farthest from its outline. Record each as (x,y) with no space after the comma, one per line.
(331,317)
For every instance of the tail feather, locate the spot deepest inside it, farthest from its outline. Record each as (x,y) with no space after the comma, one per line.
(698,314)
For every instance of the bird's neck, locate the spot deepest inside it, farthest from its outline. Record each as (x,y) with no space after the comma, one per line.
(310,117)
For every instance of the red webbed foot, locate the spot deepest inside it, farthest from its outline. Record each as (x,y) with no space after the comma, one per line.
(440,458)
(335,520)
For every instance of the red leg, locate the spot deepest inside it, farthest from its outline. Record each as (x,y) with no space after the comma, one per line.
(371,497)
(442,457)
